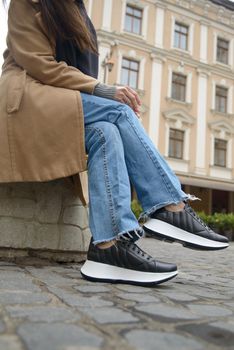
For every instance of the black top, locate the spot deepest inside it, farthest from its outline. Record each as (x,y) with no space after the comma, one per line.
(67,51)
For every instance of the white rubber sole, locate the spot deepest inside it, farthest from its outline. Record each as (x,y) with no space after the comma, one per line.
(95,271)
(169,232)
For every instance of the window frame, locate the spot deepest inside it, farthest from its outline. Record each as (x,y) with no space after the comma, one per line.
(173,141)
(219,97)
(180,35)
(176,75)
(227,50)
(129,69)
(132,18)
(219,150)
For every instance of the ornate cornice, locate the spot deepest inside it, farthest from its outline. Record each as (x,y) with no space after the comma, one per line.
(174,55)
(182,115)
(222,126)
(224,15)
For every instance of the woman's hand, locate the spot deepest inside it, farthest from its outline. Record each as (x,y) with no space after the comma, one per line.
(125,94)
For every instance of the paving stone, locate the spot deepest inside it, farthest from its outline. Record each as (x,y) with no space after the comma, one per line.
(77,276)
(179,296)
(43,313)
(231,284)
(2,326)
(209,310)
(229,291)
(12,280)
(141,298)
(49,277)
(230,305)
(166,311)
(132,289)
(194,289)
(23,298)
(57,336)
(92,289)
(210,294)
(10,342)
(147,340)
(228,325)
(109,315)
(64,269)
(222,338)
(73,299)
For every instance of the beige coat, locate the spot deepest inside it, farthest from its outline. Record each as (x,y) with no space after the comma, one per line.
(41,117)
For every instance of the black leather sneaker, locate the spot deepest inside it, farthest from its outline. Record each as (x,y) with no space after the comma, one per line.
(185,227)
(125,262)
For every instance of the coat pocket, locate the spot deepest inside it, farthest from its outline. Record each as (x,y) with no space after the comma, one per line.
(15,91)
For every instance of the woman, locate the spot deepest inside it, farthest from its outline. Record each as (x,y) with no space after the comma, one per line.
(53,111)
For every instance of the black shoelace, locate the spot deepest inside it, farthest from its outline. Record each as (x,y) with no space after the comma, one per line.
(191,211)
(138,250)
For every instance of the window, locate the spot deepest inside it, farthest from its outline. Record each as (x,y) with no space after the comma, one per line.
(176,143)
(181,36)
(133,20)
(220,201)
(178,87)
(130,73)
(221,99)
(220,153)
(222,50)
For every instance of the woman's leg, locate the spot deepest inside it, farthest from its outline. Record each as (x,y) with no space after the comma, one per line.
(111,216)
(109,187)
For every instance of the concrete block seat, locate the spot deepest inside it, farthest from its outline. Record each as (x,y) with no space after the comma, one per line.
(43,219)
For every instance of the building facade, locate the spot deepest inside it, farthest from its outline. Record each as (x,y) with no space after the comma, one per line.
(179,56)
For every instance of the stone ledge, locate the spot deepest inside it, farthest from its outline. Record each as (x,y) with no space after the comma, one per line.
(43,219)
(26,255)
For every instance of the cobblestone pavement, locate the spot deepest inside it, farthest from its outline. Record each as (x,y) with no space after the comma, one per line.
(50,307)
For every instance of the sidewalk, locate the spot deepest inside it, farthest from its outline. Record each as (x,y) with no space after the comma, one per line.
(50,307)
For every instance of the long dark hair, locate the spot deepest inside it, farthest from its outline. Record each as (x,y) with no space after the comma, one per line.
(63,19)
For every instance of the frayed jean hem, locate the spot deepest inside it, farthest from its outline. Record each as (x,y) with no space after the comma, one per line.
(132,235)
(146,214)
(104,240)
(128,235)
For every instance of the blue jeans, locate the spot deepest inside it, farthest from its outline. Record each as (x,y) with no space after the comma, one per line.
(120,152)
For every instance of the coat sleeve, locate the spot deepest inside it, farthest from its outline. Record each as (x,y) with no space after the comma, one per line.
(33,51)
